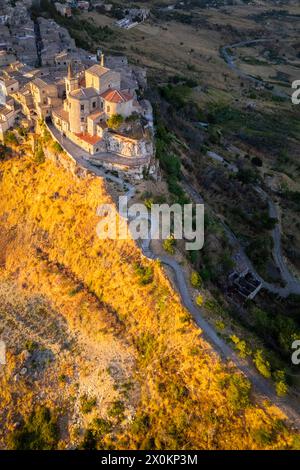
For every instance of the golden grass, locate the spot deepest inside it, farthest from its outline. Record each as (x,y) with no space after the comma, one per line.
(178,380)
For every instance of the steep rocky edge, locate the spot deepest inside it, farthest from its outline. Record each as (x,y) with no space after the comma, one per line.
(128,350)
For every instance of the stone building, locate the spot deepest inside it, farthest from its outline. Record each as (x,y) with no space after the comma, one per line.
(83,116)
(45,97)
(8,114)
(8,85)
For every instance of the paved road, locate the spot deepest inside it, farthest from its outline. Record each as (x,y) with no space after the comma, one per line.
(229,59)
(292,283)
(262,387)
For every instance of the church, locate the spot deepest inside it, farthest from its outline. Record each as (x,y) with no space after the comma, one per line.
(92,97)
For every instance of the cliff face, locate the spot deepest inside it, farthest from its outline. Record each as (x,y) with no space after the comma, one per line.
(95,331)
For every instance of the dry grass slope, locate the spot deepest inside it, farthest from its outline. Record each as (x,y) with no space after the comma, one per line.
(133,346)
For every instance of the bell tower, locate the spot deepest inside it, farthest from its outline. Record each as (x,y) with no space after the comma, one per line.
(71,80)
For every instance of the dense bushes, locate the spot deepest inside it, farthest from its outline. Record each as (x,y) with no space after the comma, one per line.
(38,432)
(144,273)
(170,163)
(115,121)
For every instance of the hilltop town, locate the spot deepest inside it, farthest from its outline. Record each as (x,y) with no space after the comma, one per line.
(118,344)
(92,104)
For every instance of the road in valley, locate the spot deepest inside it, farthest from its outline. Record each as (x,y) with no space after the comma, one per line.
(229,59)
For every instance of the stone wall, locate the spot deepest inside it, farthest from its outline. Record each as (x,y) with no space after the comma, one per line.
(127,147)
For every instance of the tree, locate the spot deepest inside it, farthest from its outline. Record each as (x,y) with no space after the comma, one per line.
(115,121)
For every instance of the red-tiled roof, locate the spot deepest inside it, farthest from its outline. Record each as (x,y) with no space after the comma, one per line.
(96,115)
(62,114)
(116,96)
(90,139)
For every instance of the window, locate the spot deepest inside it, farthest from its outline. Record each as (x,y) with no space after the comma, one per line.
(82,107)
(94,104)
(101,104)
(82,119)
(108,109)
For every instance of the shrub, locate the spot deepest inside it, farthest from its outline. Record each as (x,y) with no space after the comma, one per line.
(241,346)
(39,156)
(10,138)
(57,147)
(262,365)
(238,391)
(145,274)
(146,344)
(280,383)
(39,432)
(141,424)
(196,280)
(93,436)
(148,203)
(117,409)
(220,325)
(169,245)
(199,300)
(281,388)
(115,121)
(31,346)
(87,404)
(256,161)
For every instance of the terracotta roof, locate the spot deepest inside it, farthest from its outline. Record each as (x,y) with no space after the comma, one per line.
(39,83)
(96,115)
(62,114)
(102,124)
(90,139)
(116,96)
(98,70)
(83,93)
(8,81)
(4,111)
